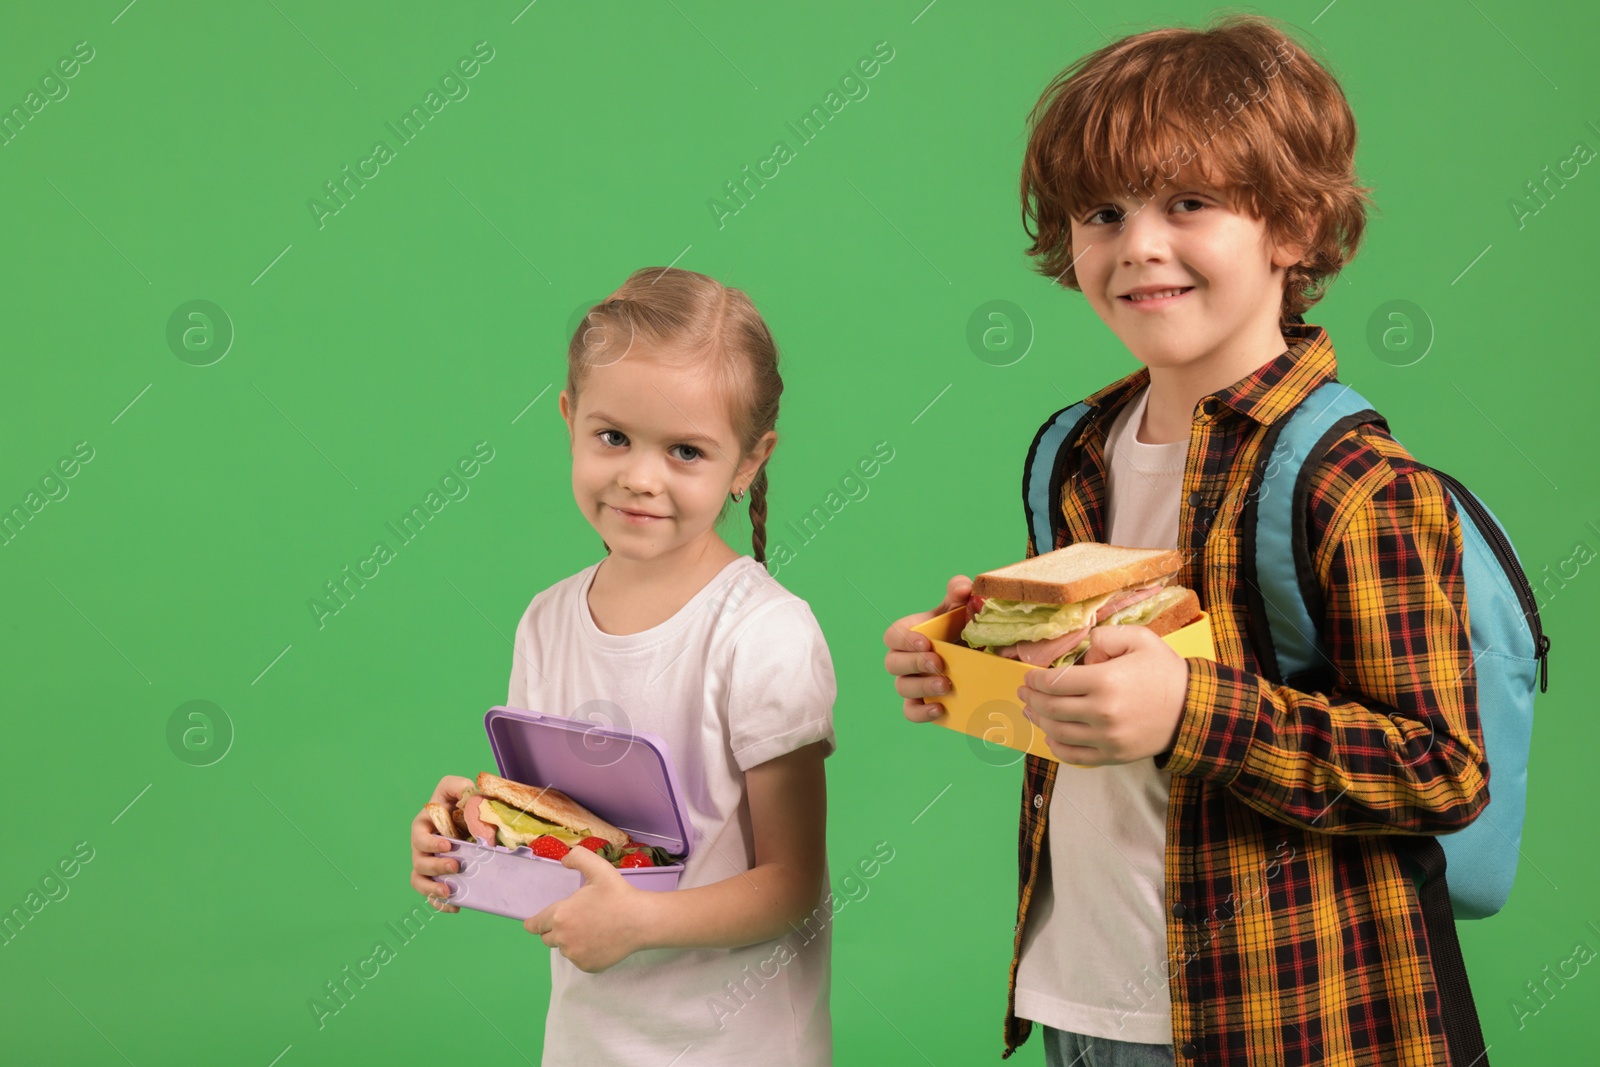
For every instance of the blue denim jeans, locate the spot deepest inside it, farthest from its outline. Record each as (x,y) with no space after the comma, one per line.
(1064,1049)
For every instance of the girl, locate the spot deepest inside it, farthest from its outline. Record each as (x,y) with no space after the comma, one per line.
(670,403)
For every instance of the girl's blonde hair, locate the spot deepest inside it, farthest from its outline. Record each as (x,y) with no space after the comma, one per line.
(680,316)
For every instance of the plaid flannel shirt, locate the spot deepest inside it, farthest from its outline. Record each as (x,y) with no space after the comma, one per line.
(1294,933)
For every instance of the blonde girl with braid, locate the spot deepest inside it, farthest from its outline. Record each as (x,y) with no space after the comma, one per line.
(671,404)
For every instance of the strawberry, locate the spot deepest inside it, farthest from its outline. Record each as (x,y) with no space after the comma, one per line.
(550,848)
(593,844)
(636,859)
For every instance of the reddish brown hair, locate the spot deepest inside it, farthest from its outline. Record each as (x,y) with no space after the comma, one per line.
(666,313)
(1240,103)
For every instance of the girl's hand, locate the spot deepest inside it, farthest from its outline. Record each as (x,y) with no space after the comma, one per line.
(600,924)
(426,844)
(1120,703)
(911,658)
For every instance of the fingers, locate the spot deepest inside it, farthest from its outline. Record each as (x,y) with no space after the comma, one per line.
(433,866)
(914,663)
(429,888)
(1076,755)
(1066,681)
(922,686)
(591,865)
(1109,642)
(450,787)
(900,637)
(956,592)
(918,670)
(424,839)
(542,925)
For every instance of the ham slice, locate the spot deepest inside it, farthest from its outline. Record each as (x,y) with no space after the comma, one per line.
(483,832)
(1123,600)
(1043,653)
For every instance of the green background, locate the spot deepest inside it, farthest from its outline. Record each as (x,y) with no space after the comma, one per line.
(430,313)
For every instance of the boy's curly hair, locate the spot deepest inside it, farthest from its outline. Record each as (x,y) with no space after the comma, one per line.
(1240,102)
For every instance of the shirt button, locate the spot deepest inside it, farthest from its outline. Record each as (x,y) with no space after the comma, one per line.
(1189,1050)
(1179,911)
(1196,499)
(1038,801)
(1211,405)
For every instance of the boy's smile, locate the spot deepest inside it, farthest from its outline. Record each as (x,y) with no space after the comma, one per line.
(1190,285)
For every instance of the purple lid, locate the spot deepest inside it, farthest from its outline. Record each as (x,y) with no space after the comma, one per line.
(623,776)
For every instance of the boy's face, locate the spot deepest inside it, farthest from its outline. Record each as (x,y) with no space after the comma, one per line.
(1190,238)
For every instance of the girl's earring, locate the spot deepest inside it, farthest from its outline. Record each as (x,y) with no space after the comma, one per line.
(738,495)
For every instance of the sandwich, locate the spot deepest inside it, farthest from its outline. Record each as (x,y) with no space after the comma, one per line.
(497,811)
(1041,611)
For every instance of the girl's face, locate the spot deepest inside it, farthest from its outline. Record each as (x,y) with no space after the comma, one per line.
(654,454)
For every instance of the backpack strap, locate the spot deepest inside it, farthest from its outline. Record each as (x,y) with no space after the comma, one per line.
(1463,1035)
(1280,575)
(1044,473)
(1278,570)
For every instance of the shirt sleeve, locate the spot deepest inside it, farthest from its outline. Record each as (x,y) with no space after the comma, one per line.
(1396,745)
(781,686)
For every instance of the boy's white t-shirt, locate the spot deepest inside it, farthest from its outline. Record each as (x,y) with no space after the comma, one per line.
(740,675)
(1094,956)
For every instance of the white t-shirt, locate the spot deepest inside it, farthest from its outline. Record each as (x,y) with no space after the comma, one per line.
(1094,955)
(740,675)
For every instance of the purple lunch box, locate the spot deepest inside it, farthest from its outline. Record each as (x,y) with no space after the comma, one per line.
(623,776)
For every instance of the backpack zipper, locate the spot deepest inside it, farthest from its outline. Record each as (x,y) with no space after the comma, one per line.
(1508,561)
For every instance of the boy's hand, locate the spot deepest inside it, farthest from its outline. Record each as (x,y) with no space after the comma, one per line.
(599,925)
(1121,702)
(911,658)
(425,844)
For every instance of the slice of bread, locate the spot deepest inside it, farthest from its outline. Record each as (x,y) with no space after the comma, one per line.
(551,805)
(1078,572)
(1183,610)
(443,825)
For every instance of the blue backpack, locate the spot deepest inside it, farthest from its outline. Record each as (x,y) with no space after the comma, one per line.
(1509,646)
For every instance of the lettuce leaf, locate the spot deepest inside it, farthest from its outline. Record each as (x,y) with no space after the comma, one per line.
(1005,622)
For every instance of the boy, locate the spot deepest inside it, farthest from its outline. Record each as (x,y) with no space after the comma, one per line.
(1227,885)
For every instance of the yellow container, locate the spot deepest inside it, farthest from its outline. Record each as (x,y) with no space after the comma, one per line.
(982,702)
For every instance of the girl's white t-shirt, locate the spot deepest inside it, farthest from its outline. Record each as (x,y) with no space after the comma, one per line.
(740,675)
(1094,956)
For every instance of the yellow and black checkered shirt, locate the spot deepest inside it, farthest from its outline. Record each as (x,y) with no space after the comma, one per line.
(1294,933)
